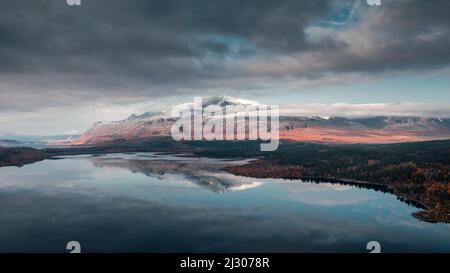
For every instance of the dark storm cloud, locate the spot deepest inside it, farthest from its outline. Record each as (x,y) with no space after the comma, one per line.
(140,47)
(114,50)
(117,35)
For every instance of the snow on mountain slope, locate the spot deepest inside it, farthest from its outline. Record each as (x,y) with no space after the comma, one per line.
(146,125)
(381,129)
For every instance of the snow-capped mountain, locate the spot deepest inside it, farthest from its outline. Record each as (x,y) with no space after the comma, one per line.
(133,127)
(223,101)
(148,124)
(143,116)
(381,129)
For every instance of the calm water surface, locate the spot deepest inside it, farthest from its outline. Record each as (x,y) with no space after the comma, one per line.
(145,202)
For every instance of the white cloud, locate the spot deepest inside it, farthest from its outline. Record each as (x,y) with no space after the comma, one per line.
(365,110)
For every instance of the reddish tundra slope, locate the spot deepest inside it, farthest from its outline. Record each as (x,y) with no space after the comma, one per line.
(339,130)
(299,129)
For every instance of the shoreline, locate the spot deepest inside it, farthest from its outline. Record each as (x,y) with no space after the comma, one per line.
(426,212)
(433,207)
(345,181)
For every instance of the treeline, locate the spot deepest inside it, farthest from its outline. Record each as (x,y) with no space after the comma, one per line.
(415,171)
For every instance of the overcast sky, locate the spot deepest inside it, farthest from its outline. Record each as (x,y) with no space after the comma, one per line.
(64,67)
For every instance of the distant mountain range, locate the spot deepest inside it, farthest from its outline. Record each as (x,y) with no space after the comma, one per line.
(22,138)
(33,141)
(380,129)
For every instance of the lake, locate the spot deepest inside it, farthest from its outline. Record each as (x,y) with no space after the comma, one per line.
(144,202)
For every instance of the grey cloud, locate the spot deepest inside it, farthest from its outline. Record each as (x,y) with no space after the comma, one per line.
(401,35)
(53,54)
(132,48)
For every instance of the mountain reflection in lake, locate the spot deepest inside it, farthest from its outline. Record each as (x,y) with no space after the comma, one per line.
(204,172)
(151,203)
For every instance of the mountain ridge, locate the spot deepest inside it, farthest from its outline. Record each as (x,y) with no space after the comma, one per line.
(335,129)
